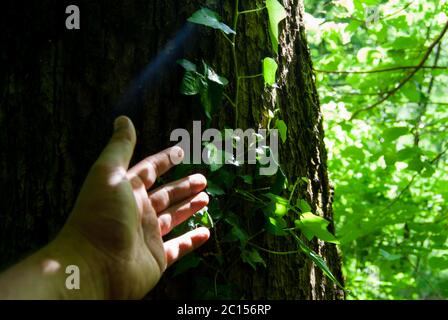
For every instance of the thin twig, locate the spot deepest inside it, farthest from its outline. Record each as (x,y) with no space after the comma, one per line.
(282,253)
(251,76)
(251,11)
(406,79)
(229,99)
(379,70)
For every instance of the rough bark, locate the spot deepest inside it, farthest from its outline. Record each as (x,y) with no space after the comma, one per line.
(61,89)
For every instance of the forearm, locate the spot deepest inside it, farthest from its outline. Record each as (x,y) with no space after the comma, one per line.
(43,274)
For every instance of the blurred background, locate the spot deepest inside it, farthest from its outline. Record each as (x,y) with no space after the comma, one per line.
(382,76)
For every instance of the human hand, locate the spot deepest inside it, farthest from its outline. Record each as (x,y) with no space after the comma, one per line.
(119,225)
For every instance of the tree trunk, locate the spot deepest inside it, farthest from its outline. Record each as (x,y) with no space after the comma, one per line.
(61,89)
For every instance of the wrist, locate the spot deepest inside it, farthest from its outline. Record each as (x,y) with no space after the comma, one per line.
(43,275)
(82,267)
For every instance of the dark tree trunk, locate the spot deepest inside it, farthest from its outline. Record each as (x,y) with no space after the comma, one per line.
(61,89)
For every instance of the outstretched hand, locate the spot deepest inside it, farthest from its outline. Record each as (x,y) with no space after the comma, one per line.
(115,230)
(125,224)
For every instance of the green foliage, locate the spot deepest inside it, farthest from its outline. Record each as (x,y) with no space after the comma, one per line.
(315,226)
(269,71)
(276,14)
(208,84)
(387,159)
(318,260)
(282,129)
(229,184)
(210,19)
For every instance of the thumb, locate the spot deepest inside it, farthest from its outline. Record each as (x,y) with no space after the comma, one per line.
(119,150)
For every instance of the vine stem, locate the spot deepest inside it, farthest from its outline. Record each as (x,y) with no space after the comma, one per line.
(251,76)
(227,38)
(235,61)
(253,10)
(229,99)
(272,251)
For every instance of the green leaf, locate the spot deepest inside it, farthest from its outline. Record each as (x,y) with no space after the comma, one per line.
(210,19)
(318,260)
(187,65)
(276,225)
(190,261)
(280,209)
(203,218)
(276,14)
(428,170)
(391,134)
(269,71)
(213,76)
(315,226)
(211,90)
(282,129)
(438,263)
(277,199)
(388,256)
(353,152)
(416,164)
(253,258)
(247,179)
(303,205)
(190,85)
(407,153)
(214,190)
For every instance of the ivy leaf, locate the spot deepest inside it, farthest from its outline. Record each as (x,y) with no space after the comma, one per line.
(247,179)
(211,90)
(276,225)
(282,129)
(318,260)
(269,71)
(202,217)
(253,258)
(276,14)
(213,76)
(303,205)
(315,226)
(190,85)
(209,18)
(190,261)
(214,190)
(187,65)
(280,209)
(276,199)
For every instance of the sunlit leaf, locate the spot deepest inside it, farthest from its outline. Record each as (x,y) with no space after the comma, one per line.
(282,129)
(276,14)
(269,71)
(210,19)
(315,226)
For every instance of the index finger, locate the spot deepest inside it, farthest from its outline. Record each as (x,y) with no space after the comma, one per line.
(156,165)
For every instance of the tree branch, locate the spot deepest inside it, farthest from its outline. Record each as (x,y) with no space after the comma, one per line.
(379,70)
(406,79)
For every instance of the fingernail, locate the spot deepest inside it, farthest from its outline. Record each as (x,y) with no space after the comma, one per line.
(176,155)
(200,200)
(120,122)
(198,182)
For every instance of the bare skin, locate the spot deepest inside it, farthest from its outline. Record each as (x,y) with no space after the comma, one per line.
(114,233)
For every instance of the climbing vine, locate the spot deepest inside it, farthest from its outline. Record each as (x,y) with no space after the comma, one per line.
(277,205)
